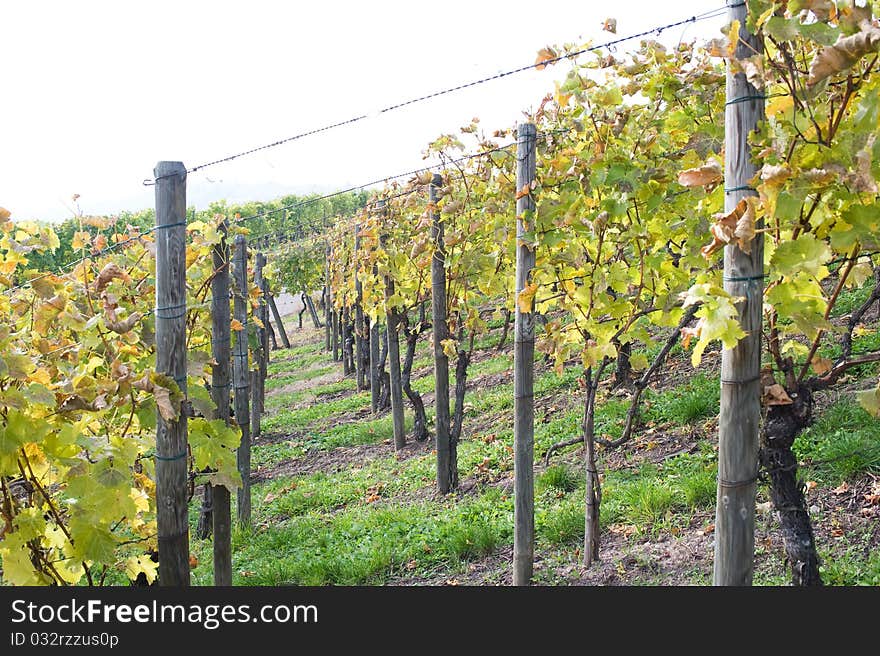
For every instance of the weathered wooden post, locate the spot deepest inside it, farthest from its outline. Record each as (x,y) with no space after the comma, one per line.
(360,355)
(335,335)
(447,474)
(282,333)
(739,423)
(171,434)
(241,378)
(260,353)
(524,367)
(374,358)
(347,343)
(310,304)
(220,384)
(328,319)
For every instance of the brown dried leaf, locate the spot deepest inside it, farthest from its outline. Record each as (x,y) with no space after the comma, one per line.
(164,404)
(120,371)
(545,55)
(688,333)
(819,176)
(108,273)
(525,191)
(821,366)
(125,325)
(843,54)
(862,180)
(76,402)
(775,394)
(144,383)
(774,175)
(753,67)
(425,177)
(737,226)
(709,173)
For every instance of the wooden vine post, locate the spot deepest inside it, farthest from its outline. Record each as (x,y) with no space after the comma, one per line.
(524,366)
(447,474)
(240,378)
(328,318)
(262,355)
(374,357)
(347,344)
(738,428)
(171,434)
(282,333)
(220,389)
(360,355)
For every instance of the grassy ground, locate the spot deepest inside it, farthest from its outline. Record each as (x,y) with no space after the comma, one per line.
(333,503)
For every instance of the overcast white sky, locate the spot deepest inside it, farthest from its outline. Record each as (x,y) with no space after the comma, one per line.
(94,93)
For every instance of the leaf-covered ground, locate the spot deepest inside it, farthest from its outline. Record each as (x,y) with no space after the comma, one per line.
(333,503)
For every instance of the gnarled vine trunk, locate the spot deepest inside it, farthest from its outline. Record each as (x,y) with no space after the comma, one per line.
(412,334)
(781,426)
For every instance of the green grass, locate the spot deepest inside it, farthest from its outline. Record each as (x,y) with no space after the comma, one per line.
(287,419)
(852,298)
(685,404)
(646,501)
(859,564)
(365,545)
(842,444)
(560,478)
(562,524)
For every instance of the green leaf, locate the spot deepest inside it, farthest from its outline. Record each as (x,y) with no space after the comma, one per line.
(29,523)
(92,542)
(202,401)
(859,224)
(804,254)
(38,394)
(822,33)
(782,29)
(17,566)
(638,361)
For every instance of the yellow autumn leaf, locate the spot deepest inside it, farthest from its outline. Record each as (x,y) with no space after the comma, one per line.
(143,564)
(449,347)
(141,499)
(779,105)
(42,376)
(236,325)
(81,240)
(525,299)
